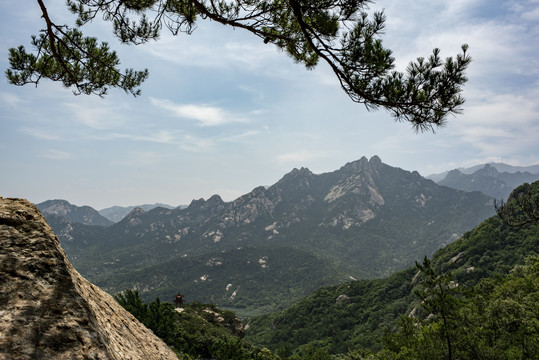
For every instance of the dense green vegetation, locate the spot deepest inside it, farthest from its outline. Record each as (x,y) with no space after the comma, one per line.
(478,298)
(238,279)
(368,309)
(195,330)
(496,319)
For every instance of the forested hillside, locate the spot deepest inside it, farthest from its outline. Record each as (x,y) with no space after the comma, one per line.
(490,279)
(476,299)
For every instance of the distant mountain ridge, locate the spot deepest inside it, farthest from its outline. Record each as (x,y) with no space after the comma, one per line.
(366,219)
(501,167)
(82,214)
(117,213)
(489,180)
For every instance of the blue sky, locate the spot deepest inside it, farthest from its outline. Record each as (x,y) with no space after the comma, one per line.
(223,113)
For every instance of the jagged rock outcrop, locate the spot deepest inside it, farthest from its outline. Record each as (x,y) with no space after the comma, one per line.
(48,310)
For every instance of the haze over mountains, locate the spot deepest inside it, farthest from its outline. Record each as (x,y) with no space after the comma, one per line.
(117,213)
(274,245)
(489,180)
(500,167)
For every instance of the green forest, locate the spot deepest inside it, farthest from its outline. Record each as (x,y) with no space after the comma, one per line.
(477,298)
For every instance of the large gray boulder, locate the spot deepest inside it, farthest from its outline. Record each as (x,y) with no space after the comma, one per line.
(48,310)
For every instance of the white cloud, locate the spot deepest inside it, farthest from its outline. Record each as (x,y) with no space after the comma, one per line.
(142,159)
(181,139)
(195,144)
(247,135)
(39,133)
(94,113)
(207,115)
(10,100)
(230,50)
(161,137)
(299,158)
(56,155)
(501,124)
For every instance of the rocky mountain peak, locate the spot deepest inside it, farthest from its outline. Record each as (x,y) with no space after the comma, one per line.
(56,207)
(356,165)
(295,174)
(296,180)
(362,165)
(49,311)
(487,170)
(196,203)
(452,174)
(375,161)
(81,214)
(136,212)
(215,200)
(303,171)
(213,203)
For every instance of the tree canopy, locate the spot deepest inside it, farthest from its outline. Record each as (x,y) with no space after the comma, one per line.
(341,33)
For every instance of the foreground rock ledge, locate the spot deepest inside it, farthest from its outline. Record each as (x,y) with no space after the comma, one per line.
(48,310)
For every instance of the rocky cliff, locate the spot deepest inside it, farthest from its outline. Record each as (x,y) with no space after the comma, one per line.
(48,310)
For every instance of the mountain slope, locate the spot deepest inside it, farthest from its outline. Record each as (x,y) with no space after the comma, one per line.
(366,219)
(247,280)
(357,313)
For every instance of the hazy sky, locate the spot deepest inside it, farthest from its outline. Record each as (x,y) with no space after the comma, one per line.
(223,113)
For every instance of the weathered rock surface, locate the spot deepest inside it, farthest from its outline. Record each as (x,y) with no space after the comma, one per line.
(48,310)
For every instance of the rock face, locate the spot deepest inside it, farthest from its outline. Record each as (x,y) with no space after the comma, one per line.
(48,310)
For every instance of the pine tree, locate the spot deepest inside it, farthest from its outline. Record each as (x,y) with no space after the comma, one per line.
(439,300)
(340,33)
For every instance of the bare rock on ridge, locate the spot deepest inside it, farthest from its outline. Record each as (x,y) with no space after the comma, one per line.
(48,310)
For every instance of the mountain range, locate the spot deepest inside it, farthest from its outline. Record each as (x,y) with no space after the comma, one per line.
(274,245)
(476,298)
(488,180)
(117,213)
